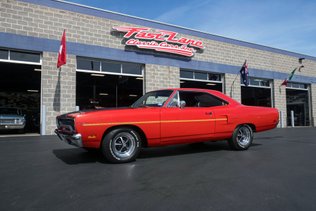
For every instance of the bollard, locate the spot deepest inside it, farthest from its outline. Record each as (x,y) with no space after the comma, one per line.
(281,119)
(292,118)
(43,120)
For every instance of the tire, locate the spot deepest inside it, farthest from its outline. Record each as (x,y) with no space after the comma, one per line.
(121,145)
(242,138)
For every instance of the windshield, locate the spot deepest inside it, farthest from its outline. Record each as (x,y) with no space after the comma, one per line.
(153,99)
(9,111)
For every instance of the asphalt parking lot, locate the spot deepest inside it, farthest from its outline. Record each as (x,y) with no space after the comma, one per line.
(277,173)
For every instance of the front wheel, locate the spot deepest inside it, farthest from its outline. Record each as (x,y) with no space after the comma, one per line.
(121,145)
(242,138)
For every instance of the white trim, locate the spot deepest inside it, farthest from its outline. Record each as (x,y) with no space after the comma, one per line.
(107,73)
(20,62)
(294,88)
(9,60)
(298,88)
(198,80)
(255,86)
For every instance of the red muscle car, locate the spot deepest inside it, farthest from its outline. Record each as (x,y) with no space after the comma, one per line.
(166,117)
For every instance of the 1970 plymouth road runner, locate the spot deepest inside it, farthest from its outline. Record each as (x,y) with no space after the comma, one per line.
(166,117)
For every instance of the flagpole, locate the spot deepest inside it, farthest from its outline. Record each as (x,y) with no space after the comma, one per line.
(231,87)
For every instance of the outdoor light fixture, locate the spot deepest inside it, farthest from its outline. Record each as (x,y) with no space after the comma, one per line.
(38,70)
(97,75)
(103,94)
(32,90)
(132,95)
(210,84)
(138,78)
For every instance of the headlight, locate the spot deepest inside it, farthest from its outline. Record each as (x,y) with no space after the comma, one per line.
(20,121)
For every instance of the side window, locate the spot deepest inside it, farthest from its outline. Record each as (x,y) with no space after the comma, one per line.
(189,98)
(200,99)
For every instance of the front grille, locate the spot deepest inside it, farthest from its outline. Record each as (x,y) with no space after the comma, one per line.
(9,121)
(66,124)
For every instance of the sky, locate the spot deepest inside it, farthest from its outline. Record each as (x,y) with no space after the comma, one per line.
(284,24)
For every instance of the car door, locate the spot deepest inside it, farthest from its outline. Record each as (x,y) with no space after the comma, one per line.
(188,122)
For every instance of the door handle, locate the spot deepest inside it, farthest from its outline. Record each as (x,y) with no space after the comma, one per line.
(209,113)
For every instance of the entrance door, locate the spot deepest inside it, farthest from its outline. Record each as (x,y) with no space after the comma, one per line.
(297,100)
(188,116)
(186,123)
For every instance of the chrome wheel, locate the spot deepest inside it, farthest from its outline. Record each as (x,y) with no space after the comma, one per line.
(241,138)
(123,145)
(244,136)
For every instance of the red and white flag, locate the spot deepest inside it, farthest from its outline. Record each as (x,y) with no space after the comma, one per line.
(62,51)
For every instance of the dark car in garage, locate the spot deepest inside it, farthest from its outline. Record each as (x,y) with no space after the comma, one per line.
(12,119)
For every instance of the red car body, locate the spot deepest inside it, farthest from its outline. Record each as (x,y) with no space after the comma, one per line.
(167,124)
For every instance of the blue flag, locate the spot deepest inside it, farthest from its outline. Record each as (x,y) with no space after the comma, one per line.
(244,73)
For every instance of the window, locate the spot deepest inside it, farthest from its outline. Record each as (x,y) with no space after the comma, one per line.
(111,67)
(85,64)
(196,75)
(214,77)
(195,99)
(153,99)
(259,82)
(20,56)
(107,66)
(131,68)
(186,74)
(296,85)
(26,57)
(201,80)
(4,54)
(201,76)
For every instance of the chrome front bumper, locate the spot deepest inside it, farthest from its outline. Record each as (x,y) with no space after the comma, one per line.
(73,139)
(11,127)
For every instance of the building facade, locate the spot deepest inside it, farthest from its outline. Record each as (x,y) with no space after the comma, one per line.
(113,58)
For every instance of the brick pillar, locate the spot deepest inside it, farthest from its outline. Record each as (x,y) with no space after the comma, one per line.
(160,77)
(232,86)
(280,100)
(58,88)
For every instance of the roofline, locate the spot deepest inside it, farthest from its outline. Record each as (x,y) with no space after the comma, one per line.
(216,93)
(83,9)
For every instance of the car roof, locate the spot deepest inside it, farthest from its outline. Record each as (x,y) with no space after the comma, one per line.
(212,92)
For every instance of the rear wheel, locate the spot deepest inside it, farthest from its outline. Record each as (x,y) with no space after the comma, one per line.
(121,145)
(242,138)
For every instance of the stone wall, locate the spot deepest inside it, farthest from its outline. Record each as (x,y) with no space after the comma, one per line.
(280,101)
(58,88)
(161,77)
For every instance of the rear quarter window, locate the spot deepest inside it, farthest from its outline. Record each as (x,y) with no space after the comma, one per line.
(200,99)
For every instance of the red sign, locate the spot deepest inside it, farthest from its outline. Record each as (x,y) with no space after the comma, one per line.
(160,40)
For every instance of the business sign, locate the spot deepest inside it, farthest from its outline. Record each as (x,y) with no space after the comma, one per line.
(159,40)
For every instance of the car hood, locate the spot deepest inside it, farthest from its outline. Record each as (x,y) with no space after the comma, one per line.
(11,116)
(83,112)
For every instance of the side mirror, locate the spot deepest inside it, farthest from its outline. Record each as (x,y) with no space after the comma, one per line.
(182,104)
